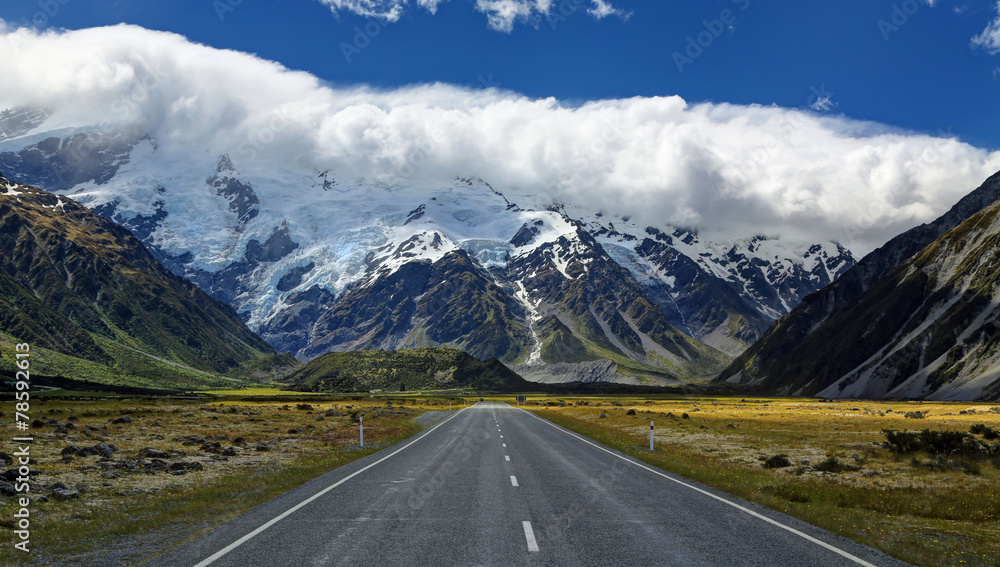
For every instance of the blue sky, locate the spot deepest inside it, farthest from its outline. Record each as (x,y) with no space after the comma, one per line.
(920,75)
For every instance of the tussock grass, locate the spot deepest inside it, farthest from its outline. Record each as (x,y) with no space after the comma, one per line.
(843,476)
(109,524)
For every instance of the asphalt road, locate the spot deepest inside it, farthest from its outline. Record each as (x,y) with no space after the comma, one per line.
(496,485)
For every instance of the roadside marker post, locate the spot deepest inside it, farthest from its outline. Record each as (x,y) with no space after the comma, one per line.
(362,418)
(650,435)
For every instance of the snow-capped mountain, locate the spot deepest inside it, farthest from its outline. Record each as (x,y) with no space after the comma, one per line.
(315,262)
(720,288)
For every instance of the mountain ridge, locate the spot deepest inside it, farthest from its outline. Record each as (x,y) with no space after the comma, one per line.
(286,248)
(78,284)
(890,289)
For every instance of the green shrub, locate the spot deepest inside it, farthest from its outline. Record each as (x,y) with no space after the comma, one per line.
(902,442)
(939,443)
(777,462)
(987,432)
(832,465)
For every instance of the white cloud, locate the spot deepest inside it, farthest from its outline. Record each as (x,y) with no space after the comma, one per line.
(388,10)
(602,9)
(989,39)
(712,166)
(430,5)
(501,15)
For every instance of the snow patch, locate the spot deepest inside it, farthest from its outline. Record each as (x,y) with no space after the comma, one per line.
(10,190)
(535,356)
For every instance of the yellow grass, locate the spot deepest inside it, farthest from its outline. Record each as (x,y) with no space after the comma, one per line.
(301,444)
(920,508)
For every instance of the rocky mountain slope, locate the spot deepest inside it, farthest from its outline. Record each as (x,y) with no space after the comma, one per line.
(314,262)
(76,283)
(915,318)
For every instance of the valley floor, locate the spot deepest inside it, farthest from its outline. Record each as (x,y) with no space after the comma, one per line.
(180,467)
(839,472)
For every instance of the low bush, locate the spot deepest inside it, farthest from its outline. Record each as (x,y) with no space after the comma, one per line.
(777,462)
(939,443)
(987,432)
(832,465)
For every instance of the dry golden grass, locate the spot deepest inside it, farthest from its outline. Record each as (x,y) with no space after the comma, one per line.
(925,509)
(142,512)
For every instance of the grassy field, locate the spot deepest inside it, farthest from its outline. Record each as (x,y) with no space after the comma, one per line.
(828,463)
(219,459)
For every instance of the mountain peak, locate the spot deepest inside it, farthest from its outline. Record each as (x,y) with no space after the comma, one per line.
(916,318)
(226,165)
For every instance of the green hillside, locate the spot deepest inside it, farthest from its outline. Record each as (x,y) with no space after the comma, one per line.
(75,283)
(414,369)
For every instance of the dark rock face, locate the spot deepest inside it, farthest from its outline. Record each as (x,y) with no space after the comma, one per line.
(141,226)
(415,214)
(18,121)
(821,314)
(291,329)
(524,236)
(293,278)
(452,301)
(698,302)
(224,285)
(276,247)
(584,293)
(242,199)
(58,164)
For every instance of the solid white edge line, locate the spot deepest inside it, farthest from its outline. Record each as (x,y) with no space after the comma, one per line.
(513,480)
(222,552)
(529,535)
(776,523)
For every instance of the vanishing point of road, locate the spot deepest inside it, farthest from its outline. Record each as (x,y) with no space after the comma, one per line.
(496,485)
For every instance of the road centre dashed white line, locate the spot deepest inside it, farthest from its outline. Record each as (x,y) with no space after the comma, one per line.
(529,535)
(504,444)
(506,457)
(775,523)
(513,481)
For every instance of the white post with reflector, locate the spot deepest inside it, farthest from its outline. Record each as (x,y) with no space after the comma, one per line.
(362,430)
(650,435)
